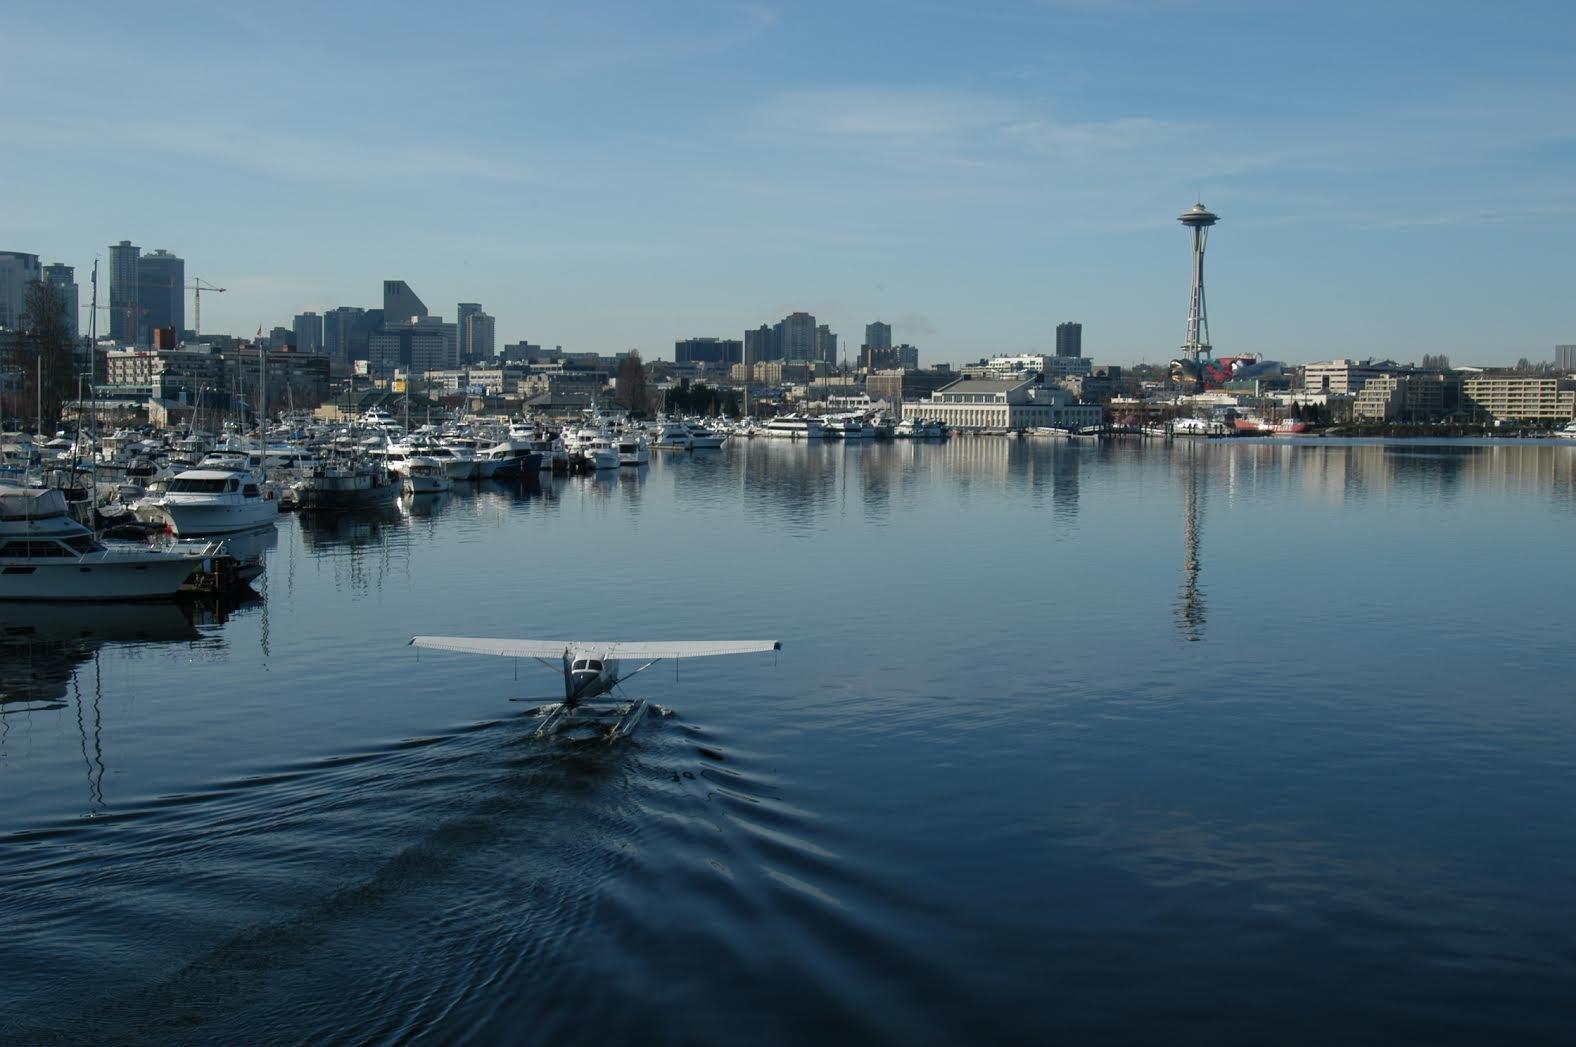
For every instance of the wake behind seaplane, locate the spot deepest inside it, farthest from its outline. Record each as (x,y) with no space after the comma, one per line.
(592,669)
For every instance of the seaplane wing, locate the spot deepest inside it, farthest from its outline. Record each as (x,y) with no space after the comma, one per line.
(634,651)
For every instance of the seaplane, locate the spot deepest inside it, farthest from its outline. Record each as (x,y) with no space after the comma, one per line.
(591,671)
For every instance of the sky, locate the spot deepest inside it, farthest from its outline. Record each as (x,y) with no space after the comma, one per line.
(1393,178)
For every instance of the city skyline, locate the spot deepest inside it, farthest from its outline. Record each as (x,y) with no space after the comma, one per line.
(590,184)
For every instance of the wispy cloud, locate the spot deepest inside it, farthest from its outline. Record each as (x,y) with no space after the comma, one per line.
(295,156)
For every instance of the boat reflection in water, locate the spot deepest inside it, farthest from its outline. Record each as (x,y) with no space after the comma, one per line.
(45,647)
(350,528)
(424,504)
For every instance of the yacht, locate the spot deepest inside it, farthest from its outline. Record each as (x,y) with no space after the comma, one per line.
(1567,433)
(212,501)
(423,475)
(1200,427)
(703,437)
(346,484)
(793,427)
(512,458)
(46,555)
(673,436)
(632,449)
(846,427)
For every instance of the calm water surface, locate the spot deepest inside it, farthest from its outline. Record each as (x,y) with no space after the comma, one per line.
(1251,741)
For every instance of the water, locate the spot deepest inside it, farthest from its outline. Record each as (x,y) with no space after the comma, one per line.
(1222,742)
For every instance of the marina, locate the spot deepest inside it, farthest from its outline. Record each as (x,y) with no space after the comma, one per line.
(1164,779)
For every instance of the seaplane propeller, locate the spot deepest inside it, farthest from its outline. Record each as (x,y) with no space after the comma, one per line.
(592,669)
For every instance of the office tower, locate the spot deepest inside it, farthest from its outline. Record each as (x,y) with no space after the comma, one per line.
(708,351)
(63,279)
(123,291)
(308,333)
(878,335)
(825,345)
(400,304)
(760,345)
(477,336)
(796,337)
(1198,219)
(1565,357)
(17,271)
(1069,339)
(463,312)
(161,295)
(338,327)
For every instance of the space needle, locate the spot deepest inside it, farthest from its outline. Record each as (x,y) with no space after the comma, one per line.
(1198,218)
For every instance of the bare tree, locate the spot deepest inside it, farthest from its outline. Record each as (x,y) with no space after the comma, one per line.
(631,393)
(45,357)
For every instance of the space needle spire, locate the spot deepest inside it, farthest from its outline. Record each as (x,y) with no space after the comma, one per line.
(1198,219)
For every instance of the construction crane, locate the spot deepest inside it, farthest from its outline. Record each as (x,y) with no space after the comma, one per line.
(197,287)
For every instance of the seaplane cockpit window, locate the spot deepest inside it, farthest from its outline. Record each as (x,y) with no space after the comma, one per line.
(594,666)
(580,663)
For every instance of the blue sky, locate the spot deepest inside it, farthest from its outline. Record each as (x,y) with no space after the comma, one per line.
(1393,178)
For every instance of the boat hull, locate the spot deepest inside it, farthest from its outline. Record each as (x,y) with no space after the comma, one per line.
(82,581)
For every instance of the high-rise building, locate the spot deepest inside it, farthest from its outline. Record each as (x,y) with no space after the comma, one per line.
(338,325)
(796,337)
(17,271)
(478,336)
(463,312)
(878,335)
(400,304)
(161,294)
(1069,339)
(64,280)
(708,351)
(308,333)
(1565,357)
(760,345)
(123,291)
(825,345)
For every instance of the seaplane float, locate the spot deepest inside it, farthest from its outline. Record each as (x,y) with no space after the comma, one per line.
(593,670)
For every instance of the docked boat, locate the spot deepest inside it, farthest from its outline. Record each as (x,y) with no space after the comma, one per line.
(632,449)
(211,501)
(704,438)
(846,427)
(920,429)
(1200,427)
(793,427)
(673,436)
(46,555)
(423,475)
(345,485)
(512,459)
(1567,433)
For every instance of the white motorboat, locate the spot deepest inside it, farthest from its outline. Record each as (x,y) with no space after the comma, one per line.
(703,437)
(1567,433)
(1200,427)
(212,501)
(512,458)
(46,555)
(673,436)
(793,427)
(846,427)
(423,475)
(632,449)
